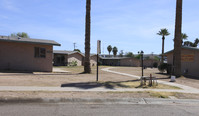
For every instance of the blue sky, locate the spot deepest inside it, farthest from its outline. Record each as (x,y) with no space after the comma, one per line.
(130,25)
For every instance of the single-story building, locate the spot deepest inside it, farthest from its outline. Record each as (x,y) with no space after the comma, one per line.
(67,58)
(126,61)
(189,60)
(25,54)
(119,61)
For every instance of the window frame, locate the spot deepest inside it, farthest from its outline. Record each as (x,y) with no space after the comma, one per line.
(39,52)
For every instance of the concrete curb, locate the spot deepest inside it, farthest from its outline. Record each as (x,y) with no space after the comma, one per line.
(100,101)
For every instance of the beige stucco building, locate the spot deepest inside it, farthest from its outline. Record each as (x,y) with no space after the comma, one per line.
(189,60)
(65,58)
(23,54)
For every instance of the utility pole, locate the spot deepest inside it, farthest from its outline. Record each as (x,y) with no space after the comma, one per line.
(74,45)
(98,52)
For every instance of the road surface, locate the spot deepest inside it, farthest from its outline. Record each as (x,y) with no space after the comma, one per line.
(75,109)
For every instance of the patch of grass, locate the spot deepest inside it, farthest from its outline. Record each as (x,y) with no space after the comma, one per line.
(161,94)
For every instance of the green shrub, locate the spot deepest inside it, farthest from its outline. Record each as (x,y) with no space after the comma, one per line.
(73,63)
(155,64)
(162,67)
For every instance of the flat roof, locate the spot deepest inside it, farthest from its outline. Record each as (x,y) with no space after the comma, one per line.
(114,58)
(69,52)
(184,47)
(63,52)
(29,40)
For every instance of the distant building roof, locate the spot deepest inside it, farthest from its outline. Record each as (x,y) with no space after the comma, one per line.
(184,47)
(114,58)
(69,52)
(28,40)
(64,52)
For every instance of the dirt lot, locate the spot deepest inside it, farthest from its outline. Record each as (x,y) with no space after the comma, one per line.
(192,82)
(74,76)
(57,79)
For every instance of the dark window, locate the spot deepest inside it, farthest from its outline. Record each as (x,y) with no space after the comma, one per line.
(40,52)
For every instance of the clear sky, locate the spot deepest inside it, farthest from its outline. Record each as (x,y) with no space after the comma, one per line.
(130,25)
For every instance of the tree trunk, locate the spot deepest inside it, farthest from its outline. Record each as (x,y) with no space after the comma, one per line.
(177,39)
(87,68)
(163,38)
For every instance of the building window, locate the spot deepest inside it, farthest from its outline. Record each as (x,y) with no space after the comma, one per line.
(40,52)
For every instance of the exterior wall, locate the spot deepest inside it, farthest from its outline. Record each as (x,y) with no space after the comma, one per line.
(20,56)
(130,62)
(149,62)
(111,62)
(75,57)
(93,60)
(188,67)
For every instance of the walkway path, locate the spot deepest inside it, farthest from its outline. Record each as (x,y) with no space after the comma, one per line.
(185,88)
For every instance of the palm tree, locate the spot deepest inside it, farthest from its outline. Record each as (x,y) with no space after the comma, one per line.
(163,33)
(109,48)
(115,51)
(87,68)
(178,39)
(184,37)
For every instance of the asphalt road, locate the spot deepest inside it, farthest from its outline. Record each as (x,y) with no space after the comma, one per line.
(65,109)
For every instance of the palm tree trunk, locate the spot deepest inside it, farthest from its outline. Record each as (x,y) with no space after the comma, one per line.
(177,39)
(87,68)
(163,38)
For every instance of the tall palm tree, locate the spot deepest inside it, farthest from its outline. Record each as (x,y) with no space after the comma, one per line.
(163,33)
(87,68)
(115,50)
(184,37)
(178,39)
(109,48)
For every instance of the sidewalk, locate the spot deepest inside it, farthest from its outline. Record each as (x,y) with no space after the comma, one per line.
(99,89)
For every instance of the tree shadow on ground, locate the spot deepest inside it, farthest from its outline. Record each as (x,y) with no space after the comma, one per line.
(163,74)
(91,85)
(186,76)
(191,77)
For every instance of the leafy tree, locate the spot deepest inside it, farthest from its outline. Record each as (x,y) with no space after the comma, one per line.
(129,54)
(191,44)
(178,39)
(20,34)
(163,33)
(138,56)
(157,58)
(121,53)
(87,68)
(77,50)
(109,48)
(115,50)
